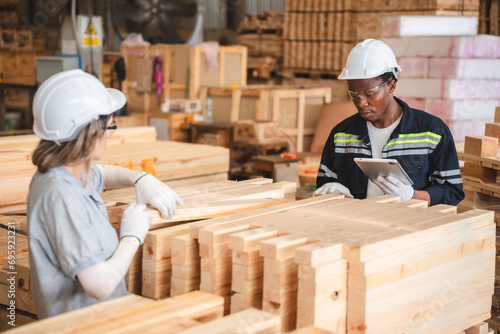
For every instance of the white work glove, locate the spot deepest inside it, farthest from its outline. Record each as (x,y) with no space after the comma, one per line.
(392,186)
(150,190)
(333,188)
(135,222)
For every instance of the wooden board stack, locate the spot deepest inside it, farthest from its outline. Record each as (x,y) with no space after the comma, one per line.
(320,34)
(481,164)
(194,312)
(456,77)
(348,265)
(263,37)
(170,262)
(133,313)
(16,171)
(489,17)
(134,148)
(15,280)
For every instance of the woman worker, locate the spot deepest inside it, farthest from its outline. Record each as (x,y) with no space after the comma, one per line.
(76,259)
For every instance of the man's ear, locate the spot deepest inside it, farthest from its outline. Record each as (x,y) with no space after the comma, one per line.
(392,86)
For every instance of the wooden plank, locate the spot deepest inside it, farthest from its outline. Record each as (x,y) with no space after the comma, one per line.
(481,146)
(131,313)
(247,321)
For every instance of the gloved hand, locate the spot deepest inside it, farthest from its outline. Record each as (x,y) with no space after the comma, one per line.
(135,222)
(150,190)
(392,186)
(333,188)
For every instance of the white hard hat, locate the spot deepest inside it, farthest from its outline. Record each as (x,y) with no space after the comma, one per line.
(69,100)
(369,59)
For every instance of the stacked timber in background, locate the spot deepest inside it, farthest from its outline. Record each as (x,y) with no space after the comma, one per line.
(489,17)
(263,37)
(320,34)
(295,111)
(481,164)
(448,71)
(349,265)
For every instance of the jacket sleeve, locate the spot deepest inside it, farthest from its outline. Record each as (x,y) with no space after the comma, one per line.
(326,171)
(446,185)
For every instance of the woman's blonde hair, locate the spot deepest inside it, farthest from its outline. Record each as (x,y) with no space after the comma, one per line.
(48,154)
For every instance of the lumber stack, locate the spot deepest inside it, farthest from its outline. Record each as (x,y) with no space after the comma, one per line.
(170,262)
(194,312)
(134,313)
(489,17)
(16,171)
(169,160)
(455,77)
(481,165)
(320,34)
(263,37)
(134,148)
(15,279)
(350,265)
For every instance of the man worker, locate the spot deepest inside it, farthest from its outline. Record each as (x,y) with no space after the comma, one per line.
(385,127)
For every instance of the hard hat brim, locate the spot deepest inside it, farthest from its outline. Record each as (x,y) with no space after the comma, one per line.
(118,100)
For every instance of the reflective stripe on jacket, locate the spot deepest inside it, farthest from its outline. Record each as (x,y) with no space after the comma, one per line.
(422,143)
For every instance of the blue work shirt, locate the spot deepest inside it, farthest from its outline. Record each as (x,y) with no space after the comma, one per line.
(69,231)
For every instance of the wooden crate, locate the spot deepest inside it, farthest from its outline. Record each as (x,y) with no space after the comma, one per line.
(295,111)
(171,125)
(17,39)
(183,65)
(18,67)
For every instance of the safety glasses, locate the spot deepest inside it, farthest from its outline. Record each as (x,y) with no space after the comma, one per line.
(110,130)
(367,95)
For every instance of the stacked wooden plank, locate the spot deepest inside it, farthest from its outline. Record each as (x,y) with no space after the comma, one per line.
(481,165)
(263,36)
(456,77)
(16,171)
(350,266)
(489,17)
(194,312)
(15,282)
(134,313)
(170,261)
(320,34)
(134,148)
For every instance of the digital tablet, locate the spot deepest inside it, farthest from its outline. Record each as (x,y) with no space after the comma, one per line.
(383,167)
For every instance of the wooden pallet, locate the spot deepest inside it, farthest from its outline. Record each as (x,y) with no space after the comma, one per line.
(325,261)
